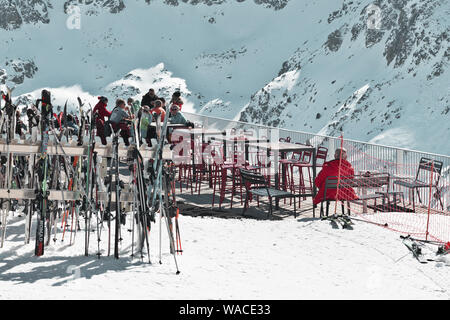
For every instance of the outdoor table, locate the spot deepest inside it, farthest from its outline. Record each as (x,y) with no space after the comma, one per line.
(234,139)
(283,148)
(171,125)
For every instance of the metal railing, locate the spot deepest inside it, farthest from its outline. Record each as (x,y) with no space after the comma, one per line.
(364,156)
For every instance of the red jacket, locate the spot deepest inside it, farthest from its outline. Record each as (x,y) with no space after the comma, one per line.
(331,168)
(159,111)
(100,108)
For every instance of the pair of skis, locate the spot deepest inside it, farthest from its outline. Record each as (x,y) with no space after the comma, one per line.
(416,246)
(343,220)
(160,188)
(141,207)
(8,117)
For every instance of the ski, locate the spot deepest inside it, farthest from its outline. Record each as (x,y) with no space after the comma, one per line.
(117,191)
(87,203)
(414,247)
(342,220)
(9,113)
(82,123)
(42,192)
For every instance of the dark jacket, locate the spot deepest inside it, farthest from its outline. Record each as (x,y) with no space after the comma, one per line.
(147,100)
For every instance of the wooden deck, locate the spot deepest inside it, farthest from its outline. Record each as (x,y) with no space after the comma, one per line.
(200,205)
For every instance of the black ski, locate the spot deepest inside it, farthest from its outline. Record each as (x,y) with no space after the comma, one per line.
(42,193)
(414,247)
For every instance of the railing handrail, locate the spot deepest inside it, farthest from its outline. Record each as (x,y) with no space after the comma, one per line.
(323,136)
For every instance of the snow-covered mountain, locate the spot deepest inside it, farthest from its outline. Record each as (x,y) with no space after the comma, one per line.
(373,70)
(388,83)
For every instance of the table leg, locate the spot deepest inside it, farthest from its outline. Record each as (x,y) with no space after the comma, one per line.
(314,189)
(364,193)
(277,178)
(283,172)
(224,147)
(193,157)
(246,151)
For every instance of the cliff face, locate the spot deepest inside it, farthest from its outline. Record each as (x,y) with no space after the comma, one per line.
(371,70)
(16,13)
(384,81)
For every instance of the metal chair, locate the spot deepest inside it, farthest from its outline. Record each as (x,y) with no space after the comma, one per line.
(256,184)
(426,168)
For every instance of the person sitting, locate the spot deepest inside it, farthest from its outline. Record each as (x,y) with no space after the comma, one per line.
(176,117)
(119,118)
(149,98)
(334,168)
(176,99)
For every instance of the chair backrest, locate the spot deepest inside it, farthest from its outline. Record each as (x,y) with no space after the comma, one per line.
(428,164)
(262,159)
(321,155)
(297,155)
(252,178)
(307,156)
(374,180)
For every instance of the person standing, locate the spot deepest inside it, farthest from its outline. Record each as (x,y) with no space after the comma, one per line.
(158,110)
(100,112)
(144,123)
(71,124)
(149,98)
(134,106)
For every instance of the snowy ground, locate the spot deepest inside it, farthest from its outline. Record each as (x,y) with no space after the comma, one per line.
(292,258)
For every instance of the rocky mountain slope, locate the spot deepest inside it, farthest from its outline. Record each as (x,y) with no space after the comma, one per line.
(371,70)
(387,83)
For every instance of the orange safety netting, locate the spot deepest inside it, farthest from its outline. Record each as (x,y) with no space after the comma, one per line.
(406,198)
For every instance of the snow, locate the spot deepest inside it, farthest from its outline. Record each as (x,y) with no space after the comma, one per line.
(299,258)
(400,137)
(134,84)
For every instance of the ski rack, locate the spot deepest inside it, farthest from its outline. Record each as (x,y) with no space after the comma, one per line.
(20,149)
(59,191)
(24,148)
(60,195)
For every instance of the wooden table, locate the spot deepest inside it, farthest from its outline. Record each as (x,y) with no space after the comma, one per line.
(283,148)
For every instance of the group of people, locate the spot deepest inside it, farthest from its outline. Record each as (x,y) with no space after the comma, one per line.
(146,111)
(59,122)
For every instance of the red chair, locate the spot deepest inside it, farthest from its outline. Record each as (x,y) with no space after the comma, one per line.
(228,177)
(306,162)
